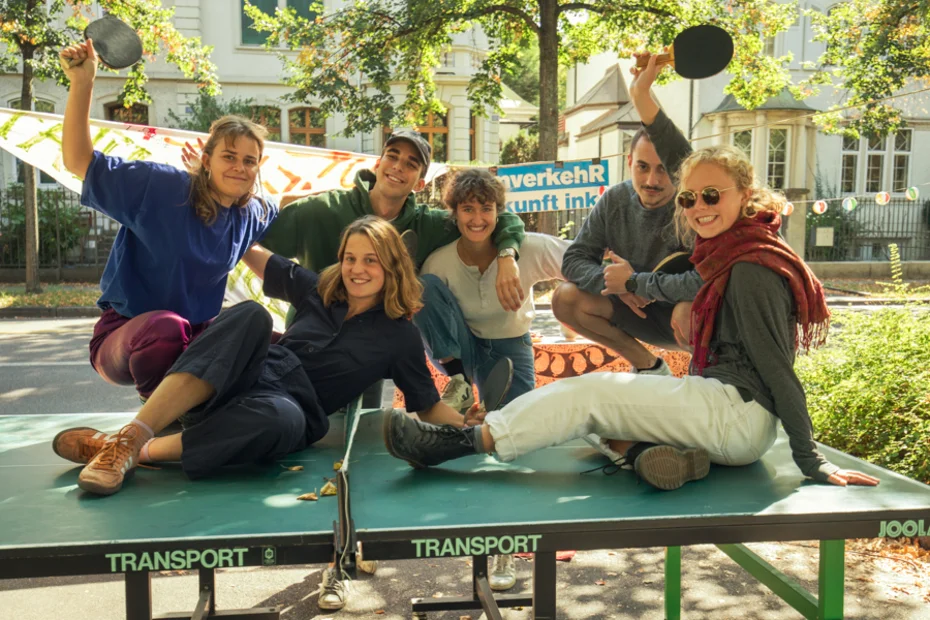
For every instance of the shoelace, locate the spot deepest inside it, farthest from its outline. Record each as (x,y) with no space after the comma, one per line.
(331,584)
(117,445)
(89,450)
(610,468)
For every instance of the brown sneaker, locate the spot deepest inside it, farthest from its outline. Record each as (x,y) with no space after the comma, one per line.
(79,445)
(117,459)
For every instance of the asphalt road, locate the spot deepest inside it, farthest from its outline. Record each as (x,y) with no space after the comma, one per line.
(44,369)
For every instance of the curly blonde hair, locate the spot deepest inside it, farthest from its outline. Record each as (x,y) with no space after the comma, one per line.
(737,166)
(229,129)
(402,293)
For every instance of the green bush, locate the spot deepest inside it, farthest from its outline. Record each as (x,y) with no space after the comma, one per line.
(868,390)
(71,222)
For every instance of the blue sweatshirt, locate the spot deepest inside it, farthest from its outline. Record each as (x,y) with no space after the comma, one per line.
(165,257)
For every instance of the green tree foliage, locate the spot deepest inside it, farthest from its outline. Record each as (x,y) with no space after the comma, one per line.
(867,390)
(389,42)
(522,148)
(874,48)
(206,109)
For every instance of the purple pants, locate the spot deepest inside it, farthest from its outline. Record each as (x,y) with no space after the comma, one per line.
(139,351)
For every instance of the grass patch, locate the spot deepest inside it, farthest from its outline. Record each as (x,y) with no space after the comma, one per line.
(52,295)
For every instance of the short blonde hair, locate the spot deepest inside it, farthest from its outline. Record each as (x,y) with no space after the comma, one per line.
(737,166)
(402,293)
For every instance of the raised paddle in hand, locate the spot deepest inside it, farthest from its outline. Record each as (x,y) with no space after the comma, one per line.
(116,44)
(698,52)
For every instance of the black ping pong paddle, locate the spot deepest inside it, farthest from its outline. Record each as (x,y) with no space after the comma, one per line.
(698,52)
(117,45)
(675,263)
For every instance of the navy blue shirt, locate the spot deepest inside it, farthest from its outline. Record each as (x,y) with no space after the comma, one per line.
(165,257)
(343,357)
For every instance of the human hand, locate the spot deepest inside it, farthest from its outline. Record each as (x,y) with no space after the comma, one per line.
(644,77)
(845,477)
(616,275)
(475,415)
(635,303)
(79,62)
(509,291)
(190,156)
(681,324)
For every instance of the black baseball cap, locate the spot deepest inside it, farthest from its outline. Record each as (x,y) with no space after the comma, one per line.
(418,142)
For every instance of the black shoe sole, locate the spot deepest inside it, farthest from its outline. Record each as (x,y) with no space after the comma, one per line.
(389,441)
(668,468)
(497,384)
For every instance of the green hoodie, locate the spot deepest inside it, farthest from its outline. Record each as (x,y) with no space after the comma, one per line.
(310,229)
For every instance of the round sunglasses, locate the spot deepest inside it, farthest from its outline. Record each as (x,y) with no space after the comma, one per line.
(710,195)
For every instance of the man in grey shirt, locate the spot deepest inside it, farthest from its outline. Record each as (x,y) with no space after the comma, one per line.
(632,220)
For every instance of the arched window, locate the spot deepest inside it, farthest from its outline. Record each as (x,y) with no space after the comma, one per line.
(268,117)
(436,131)
(307,127)
(138,114)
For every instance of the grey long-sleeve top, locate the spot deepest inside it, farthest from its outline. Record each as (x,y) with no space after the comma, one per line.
(620,223)
(753,342)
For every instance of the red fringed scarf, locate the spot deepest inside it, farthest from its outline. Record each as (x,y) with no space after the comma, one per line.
(753,240)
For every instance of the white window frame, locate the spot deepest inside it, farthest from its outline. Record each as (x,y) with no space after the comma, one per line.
(768,162)
(888,153)
(855,153)
(748,132)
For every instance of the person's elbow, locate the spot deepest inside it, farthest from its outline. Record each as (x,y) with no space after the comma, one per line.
(77,163)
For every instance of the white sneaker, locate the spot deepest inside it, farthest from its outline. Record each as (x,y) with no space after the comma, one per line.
(504,575)
(458,393)
(332,590)
(663,369)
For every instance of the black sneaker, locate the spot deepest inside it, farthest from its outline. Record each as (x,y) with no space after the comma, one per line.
(422,444)
(667,467)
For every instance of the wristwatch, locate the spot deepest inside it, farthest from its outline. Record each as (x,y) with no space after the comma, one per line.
(512,253)
(631,283)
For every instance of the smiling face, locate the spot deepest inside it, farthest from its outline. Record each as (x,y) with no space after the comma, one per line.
(650,178)
(710,220)
(233,167)
(398,172)
(476,221)
(362,272)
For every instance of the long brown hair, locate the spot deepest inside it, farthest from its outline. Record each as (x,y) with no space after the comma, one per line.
(229,129)
(738,167)
(402,293)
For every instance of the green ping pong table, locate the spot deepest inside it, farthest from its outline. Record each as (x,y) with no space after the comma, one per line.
(472,507)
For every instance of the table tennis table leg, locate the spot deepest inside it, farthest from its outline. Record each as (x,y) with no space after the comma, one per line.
(672,583)
(831,579)
(139,596)
(544,607)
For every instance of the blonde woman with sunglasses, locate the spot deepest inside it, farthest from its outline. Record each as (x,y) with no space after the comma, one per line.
(759,303)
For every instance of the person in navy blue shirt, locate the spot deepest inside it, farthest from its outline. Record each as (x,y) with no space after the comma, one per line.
(244,400)
(181,234)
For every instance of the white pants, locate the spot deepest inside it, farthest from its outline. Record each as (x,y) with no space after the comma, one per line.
(692,412)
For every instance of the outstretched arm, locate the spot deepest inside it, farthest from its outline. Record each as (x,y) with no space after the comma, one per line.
(256,258)
(79,62)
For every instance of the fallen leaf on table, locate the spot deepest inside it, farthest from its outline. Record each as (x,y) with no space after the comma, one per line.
(337,465)
(379,612)
(295,468)
(308,497)
(328,489)
(601,582)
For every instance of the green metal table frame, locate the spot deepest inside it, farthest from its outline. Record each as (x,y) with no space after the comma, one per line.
(827,605)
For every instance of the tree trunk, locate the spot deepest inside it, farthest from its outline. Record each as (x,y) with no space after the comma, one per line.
(548,95)
(30,196)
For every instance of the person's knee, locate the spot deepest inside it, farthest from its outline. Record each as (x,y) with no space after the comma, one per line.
(434,289)
(565,301)
(166,329)
(252,311)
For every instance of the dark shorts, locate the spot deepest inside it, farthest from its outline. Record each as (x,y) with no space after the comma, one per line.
(655,329)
